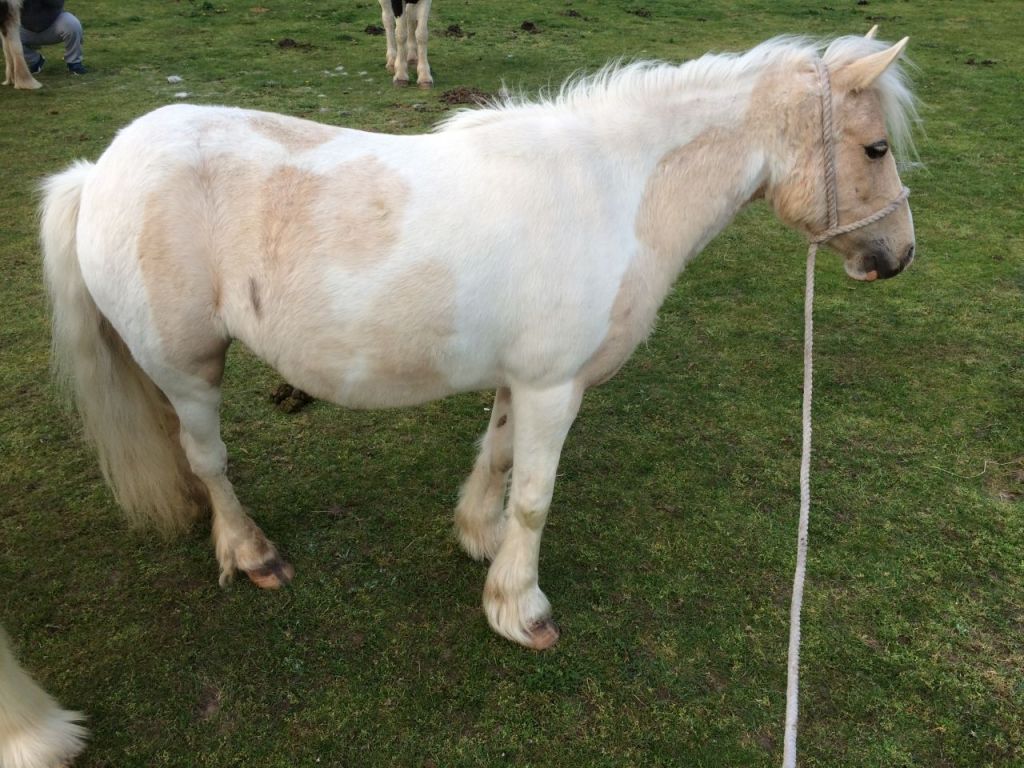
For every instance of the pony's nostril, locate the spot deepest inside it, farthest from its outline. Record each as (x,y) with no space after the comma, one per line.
(871,263)
(909,256)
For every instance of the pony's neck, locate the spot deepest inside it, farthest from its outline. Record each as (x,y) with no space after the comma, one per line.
(701,155)
(693,156)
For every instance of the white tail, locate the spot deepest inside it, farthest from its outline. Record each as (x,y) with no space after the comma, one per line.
(34,731)
(125,417)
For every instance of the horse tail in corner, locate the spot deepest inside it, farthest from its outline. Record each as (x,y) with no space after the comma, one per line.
(125,417)
(34,730)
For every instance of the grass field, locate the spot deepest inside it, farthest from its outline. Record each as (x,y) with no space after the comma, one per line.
(669,551)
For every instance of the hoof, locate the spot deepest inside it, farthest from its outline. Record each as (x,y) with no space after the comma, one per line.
(400,83)
(426,85)
(543,635)
(273,575)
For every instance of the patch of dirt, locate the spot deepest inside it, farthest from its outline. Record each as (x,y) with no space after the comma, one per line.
(465,95)
(971,61)
(339,511)
(572,13)
(287,42)
(290,399)
(454,30)
(643,13)
(209,702)
(529,26)
(375,30)
(1009,484)
(258,9)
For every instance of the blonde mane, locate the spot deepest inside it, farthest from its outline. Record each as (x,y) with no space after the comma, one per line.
(623,84)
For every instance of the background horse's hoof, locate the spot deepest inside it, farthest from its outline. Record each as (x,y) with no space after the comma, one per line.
(273,575)
(543,635)
(426,85)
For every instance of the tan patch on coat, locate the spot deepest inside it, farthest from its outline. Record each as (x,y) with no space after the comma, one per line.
(182,289)
(391,353)
(351,215)
(408,337)
(293,134)
(674,211)
(798,199)
(223,240)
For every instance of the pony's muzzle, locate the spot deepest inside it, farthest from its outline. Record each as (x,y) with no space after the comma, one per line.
(879,263)
(885,267)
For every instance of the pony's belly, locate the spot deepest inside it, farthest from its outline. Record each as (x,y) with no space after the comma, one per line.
(354,391)
(376,377)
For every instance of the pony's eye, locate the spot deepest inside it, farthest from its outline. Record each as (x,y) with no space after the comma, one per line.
(877,150)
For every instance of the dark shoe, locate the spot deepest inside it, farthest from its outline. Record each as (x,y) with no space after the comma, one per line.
(77,68)
(36,68)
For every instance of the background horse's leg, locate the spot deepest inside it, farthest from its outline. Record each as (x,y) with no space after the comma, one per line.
(480,513)
(238,541)
(387,17)
(15,69)
(402,49)
(418,35)
(513,601)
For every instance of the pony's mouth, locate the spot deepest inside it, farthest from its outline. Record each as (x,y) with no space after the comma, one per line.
(879,264)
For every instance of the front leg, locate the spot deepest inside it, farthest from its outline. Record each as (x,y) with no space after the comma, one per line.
(515,606)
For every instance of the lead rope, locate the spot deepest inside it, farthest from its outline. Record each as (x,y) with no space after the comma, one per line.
(793,664)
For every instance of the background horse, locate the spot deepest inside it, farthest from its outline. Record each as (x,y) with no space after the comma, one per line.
(524,247)
(405,25)
(15,68)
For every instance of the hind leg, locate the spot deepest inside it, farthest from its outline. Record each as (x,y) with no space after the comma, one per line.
(239,543)
(480,513)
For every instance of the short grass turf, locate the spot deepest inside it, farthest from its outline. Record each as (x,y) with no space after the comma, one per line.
(669,552)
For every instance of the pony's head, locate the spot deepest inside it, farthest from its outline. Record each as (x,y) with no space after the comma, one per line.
(872,111)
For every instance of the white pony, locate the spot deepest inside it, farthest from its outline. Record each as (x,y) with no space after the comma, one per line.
(15,68)
(405,24)
(34,731)
(524,247)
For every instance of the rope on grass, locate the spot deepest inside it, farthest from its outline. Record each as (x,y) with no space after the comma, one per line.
(834,230)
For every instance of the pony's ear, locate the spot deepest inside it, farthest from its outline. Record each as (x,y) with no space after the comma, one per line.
(863,72)
(872,32)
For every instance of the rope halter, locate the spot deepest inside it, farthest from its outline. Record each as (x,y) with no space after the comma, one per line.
(834,229)
(829,152)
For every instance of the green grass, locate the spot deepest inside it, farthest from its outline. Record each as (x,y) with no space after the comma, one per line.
(669,551)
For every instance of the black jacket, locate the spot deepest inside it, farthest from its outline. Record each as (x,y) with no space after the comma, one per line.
(37,15)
